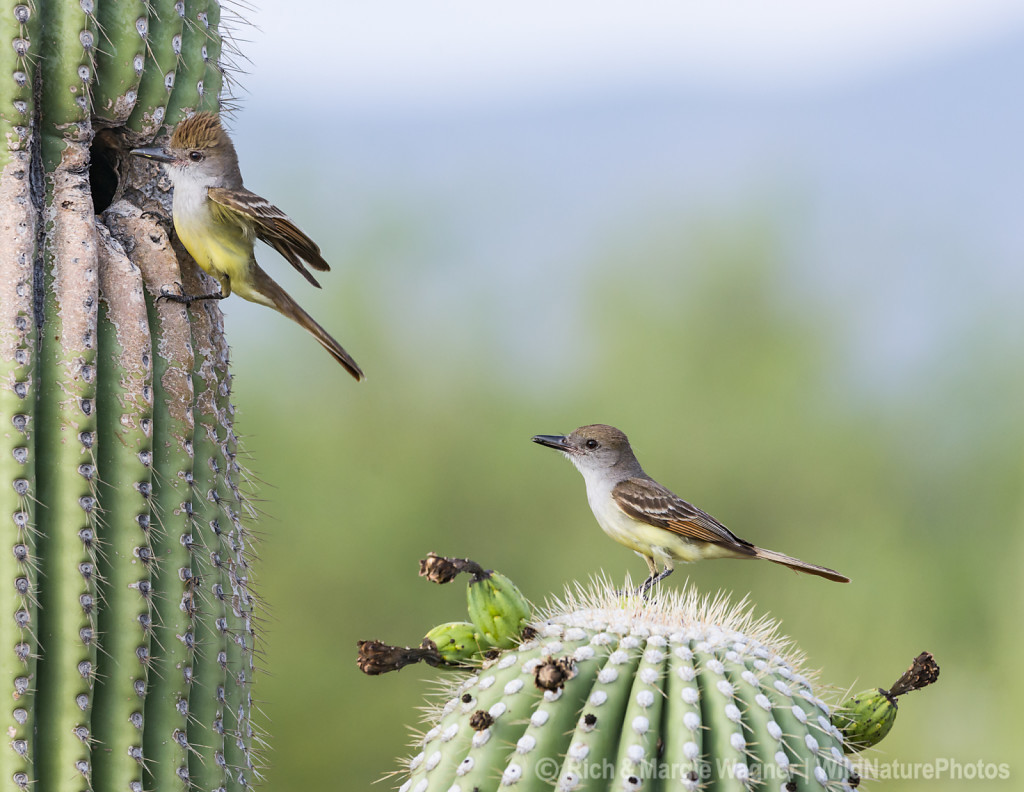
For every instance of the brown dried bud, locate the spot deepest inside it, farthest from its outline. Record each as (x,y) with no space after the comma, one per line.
(439,569)
(922,672)
(553,674)
(480,720)
(376,657)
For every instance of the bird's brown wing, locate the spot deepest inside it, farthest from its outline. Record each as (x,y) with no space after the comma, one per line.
(650,502)
(274,227)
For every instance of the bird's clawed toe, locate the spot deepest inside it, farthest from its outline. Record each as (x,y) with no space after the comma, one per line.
(186,299)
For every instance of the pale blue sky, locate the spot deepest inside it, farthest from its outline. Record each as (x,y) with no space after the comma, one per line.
(490,155)
(412,51)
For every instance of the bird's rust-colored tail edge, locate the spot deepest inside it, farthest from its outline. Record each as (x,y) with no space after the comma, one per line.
(279,299)
(800,566)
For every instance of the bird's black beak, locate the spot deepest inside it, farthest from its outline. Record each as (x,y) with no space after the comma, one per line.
(154,153)
(557,442)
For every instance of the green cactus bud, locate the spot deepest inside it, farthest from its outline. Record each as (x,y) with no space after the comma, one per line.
(613,692)
(456,642)
(867,717)
(496,605)
(497,608)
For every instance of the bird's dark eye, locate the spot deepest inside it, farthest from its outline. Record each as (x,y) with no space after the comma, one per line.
(592,443)
(195,156)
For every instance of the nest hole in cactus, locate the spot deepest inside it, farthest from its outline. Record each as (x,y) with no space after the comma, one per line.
(105,155)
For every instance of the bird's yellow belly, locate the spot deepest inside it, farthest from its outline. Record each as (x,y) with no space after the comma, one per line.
(220,249)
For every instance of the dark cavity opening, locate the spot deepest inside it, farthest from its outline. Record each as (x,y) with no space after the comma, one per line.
(104,171)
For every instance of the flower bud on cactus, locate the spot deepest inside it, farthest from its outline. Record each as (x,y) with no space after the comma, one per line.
(867,717)
(497,608)
(456,642)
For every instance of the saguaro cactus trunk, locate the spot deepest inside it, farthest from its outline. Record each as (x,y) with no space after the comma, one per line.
(126,613)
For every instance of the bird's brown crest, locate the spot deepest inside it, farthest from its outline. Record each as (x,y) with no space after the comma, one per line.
(607,435)
(199,131)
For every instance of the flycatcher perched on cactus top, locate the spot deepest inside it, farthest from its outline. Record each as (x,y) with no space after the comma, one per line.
(637,511)
(218,221)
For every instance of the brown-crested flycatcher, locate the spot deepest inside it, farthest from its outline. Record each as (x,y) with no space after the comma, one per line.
(218,222)
(658,525)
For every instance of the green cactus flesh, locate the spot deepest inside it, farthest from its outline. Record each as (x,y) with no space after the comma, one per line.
(616,693)
(121,60)
(126,459)
(166,24)
(18,389)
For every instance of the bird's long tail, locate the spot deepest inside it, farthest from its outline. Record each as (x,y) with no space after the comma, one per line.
(280,299)
(800,566)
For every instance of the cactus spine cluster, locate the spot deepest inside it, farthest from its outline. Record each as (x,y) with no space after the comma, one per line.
(613,692)
(126,612)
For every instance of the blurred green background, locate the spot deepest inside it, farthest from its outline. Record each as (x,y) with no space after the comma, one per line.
(803,307)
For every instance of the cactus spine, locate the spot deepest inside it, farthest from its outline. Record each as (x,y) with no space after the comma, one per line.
(126,614)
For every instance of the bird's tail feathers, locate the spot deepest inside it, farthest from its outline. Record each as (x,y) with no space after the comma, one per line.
(283,302)
(801,566)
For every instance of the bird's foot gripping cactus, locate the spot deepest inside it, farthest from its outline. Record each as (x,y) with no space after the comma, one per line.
(610,691)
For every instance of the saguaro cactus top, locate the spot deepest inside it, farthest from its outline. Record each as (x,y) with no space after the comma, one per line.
(611,691)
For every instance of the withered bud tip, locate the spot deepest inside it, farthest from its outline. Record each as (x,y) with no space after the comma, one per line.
(440,569)
(922,672)
(376,657)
